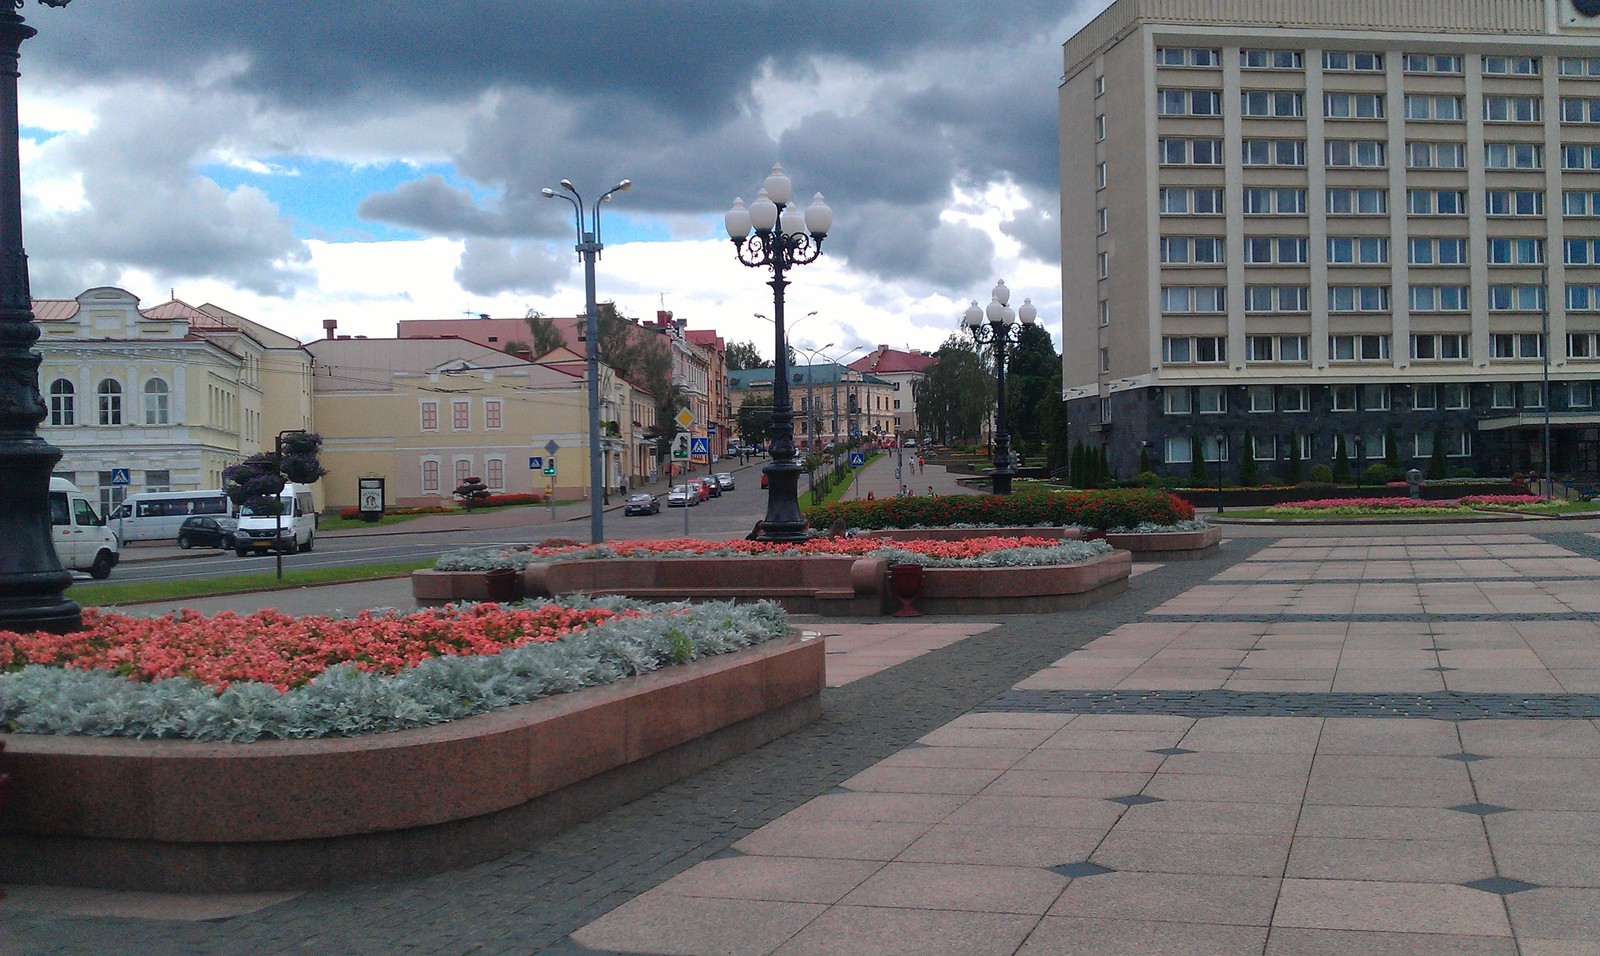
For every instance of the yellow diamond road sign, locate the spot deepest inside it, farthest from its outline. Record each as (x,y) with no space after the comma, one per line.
(685,418)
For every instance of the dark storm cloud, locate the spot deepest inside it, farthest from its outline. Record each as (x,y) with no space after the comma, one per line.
(492,266)
(956,95)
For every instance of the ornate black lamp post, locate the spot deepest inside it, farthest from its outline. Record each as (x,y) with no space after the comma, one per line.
(779,242)
(1001,330)
(588,248)
(31,578)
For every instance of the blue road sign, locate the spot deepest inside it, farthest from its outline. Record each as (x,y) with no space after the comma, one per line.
(711,429)
(699,446)
(857,459)
(119,476)
(535,463)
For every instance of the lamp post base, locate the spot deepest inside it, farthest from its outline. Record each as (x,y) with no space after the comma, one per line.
(784,522)
(31,578)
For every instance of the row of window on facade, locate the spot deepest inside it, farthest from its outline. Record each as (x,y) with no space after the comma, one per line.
(1422,397)
(1179,449)
(1436,107)
(1359,61)
(461,414)
(1369,251)
(1370,347)
(493,474)
(1260,299)
(1373,153)
(156,406)
(1365,201)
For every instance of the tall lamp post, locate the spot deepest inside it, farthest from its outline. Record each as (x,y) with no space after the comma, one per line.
(1000,331)
(588,249)
(1222,443)
(838,372)
(779,242)
(811,403)
(32,580)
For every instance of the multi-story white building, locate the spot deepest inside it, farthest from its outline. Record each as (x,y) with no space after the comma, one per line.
(1291,220)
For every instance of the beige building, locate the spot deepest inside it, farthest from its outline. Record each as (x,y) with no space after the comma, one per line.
(1286,221)
(174,393)
(426,413)
(894,413)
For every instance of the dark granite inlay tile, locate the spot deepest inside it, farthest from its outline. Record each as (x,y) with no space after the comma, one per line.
(1074,871)
(1439,670)
(1172,751)
(1464,757)
(1481,809)
(1500,885)
(1135,800)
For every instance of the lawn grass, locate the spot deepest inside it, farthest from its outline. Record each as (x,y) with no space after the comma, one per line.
(1345,513)
(97,594)
(845,486)
(334,522)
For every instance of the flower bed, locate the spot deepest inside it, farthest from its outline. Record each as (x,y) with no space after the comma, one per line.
(1086,509)
(1382,507)
(270,675)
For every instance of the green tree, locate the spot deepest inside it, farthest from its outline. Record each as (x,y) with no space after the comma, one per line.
(1032,365)
(1145,465)
(1102,468)
(1391,454)
(1053,411)
(1341,461)
(741,356)
(546,338)
(1292,472)
(755,418)
(955,394)
(1438,468)
(1197,460)
(1249,476)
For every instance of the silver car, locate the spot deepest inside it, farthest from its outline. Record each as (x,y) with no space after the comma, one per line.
(682,496)
(724,480)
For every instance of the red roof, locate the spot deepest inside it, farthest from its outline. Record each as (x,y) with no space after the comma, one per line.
(889,361)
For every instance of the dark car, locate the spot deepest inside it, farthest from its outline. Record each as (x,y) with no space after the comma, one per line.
(642,503)
(207,531)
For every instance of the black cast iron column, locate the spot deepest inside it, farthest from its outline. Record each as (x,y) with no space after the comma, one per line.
(1001,481)
(783,521)
(31,578)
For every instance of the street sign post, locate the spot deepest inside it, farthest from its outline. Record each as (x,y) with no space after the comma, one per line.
(550,449)
(700,446)
(858,461)
(121,476)
(535,463)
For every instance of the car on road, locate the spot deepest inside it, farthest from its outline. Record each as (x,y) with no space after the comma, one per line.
(682,496)
(698,486)
(763,478)
(643,503)
(713,487)
(724,480)
(207,531)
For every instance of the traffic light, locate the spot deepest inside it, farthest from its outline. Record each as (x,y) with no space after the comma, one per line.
(550,466)
(680,446)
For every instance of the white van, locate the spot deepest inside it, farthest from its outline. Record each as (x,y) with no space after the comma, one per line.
(293,528)
(157,515)
(82,540)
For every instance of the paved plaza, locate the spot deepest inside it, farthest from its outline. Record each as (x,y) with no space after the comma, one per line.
(1367,741)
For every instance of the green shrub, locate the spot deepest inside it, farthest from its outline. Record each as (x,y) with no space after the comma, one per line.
(1465,471)
(1090,509)
(1148,479)
(1376,474)
(1322,474)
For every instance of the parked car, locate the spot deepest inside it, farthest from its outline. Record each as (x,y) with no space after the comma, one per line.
(207,531)
(682,496)
(763,478)
(713,487)
(643,503)
(724,480)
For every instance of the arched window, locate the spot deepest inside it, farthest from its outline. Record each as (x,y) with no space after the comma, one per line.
(63,403)
(155,403)
(109,393)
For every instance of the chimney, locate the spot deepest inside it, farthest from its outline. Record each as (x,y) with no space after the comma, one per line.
(663,318)
(328,325)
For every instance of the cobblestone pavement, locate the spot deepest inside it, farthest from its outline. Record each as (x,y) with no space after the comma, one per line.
(1169,771)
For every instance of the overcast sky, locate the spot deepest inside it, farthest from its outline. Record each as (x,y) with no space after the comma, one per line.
(376,160)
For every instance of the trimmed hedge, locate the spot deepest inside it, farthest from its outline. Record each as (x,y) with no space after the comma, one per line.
(1122,508)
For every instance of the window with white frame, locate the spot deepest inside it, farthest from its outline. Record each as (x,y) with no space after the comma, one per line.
(1436,202)
(1438,298)
(1578,66)
(1259,348)
(1179,450)
(1192,250)
(1455,395)
(1515,251)
(1179,102)
(463,470)
(1276,103)
(1105,359)
(1580,394)
(1100,128)
(1194,349)
(1105,313)
(1375,398)
(1513,202)
(63,403)
(1105,410)
(1516,345)
(1457,444)
(1513,109)
(1344,398)
(1103,263)
(493,414)
(1275,348)
(460,415)
(1358,298)
(1194,299)
(1346,61)
(1515,156)
(1275,250)
(1358,250)
(1516,298)
(1503,395)
(1356,153)
(1270,201)
(1190,200)
(1188,56)
(1294,398)
(1422,445)
(1102,221)
(1271,60)
(1358,348)
(157,403)
(1261,399)
(430,415)
(1447,63)
(1583,298)
(1580,252)
(1099,86)
(1100,175)
(494,476)
(1580,110)
(1277,298)
(1176,400)
(1436,106)
(1580,156)
(109,396)
(1273,152)
(430,476)
(1495,65)
(1177,349)
(1342,105)
(1348,201)
(1425,155)
(1264,447)
(1375,445)
(1440,347)
(1211,399)
(1436,251)
(1182,151)
(1214,447)
(1424,398)
(1533,395)
(1581,345)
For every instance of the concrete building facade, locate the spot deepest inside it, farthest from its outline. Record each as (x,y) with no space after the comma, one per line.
(1284,222)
